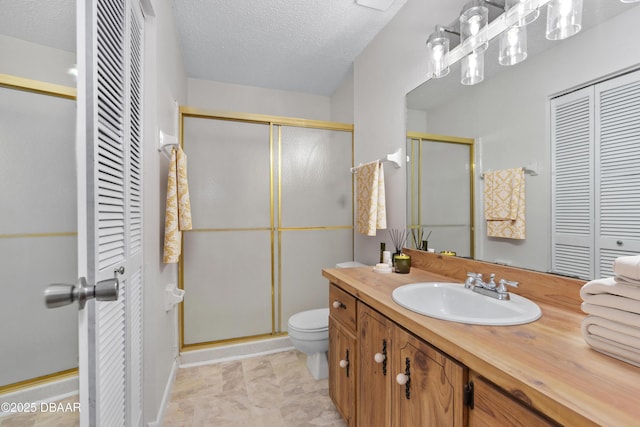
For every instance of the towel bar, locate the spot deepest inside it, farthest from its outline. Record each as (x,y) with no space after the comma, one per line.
(389,158)
(166,143)
(530,169)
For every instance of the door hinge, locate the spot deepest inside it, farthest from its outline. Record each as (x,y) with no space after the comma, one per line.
(468,395)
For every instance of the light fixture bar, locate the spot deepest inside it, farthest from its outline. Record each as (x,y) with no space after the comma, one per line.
(494,28)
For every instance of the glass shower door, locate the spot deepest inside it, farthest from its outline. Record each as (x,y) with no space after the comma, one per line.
(38,233)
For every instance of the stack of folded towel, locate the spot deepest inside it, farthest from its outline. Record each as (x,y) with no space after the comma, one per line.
(613,306)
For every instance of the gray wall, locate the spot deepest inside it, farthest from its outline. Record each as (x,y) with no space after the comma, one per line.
(164,73)
(389,67)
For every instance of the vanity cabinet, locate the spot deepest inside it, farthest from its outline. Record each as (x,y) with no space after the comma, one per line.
(493,407)
(403,381)
(381,375)
(376,370)
(434,394)
(343,354)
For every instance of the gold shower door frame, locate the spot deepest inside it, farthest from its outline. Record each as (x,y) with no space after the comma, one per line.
(416,139)
(48,89)
(275,148)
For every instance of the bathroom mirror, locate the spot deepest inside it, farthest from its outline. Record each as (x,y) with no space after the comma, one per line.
(508,114)
(38,231)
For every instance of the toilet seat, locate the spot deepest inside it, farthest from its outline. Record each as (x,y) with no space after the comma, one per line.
(310,321)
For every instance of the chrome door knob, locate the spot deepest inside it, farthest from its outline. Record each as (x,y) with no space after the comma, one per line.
(59,295)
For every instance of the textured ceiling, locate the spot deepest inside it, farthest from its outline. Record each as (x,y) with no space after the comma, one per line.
(297,45)
(47,22)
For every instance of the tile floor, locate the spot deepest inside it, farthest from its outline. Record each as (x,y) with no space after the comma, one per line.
(275,390)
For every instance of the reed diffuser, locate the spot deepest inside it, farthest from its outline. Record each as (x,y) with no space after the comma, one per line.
(420,242)
(398,238)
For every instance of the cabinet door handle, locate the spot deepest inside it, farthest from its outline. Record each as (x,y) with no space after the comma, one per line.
(337,304)
(405,379)
(344,363)
(382,357)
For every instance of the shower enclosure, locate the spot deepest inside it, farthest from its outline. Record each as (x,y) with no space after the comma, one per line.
(37,231)
(272,204)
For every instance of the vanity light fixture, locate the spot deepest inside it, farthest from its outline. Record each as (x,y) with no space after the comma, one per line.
(513,45)
(473,25)
(472,67)
(564,18)
(437,51)
(525,12)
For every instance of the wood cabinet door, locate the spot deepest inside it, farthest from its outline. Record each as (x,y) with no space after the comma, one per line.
(342,370)
(374,368)
(433,394)
(492,407)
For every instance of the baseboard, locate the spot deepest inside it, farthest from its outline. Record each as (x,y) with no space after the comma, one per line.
(238,351)
(166,396)
(48,392)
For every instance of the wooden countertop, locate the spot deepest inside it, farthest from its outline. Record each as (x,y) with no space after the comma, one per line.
(547,363)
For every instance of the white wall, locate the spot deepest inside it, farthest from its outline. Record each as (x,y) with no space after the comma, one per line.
(37,62)
(514,129)
(390,66)
(166,82)
(342,100)
(228,97)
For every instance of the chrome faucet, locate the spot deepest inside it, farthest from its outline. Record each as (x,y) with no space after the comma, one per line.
(491,289)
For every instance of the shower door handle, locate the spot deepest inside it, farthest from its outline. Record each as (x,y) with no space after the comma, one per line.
(59,295)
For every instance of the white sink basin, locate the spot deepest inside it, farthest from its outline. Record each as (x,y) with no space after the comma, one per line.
(451,301)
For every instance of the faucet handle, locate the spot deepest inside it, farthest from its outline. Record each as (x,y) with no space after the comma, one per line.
(492,283)
(502,288)
(471,278)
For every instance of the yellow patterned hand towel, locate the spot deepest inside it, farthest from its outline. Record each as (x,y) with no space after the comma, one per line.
(371,212)
(178,207)
(504,203)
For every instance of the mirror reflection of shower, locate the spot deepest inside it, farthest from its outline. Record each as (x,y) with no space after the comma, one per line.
(38,232)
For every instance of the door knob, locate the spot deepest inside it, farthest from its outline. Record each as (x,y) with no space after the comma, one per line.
(58,295)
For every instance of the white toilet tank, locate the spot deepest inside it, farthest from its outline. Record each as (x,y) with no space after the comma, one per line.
(349,264)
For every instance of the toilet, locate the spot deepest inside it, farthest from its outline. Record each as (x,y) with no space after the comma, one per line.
(309,333)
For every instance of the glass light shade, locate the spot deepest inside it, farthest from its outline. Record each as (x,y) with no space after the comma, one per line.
(472,68)
(473,26)
(513,45)
(525,12)
(564,18)
(437,51)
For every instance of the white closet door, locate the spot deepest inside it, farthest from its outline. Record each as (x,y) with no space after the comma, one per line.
(110,210)
(572,184)
(617,107)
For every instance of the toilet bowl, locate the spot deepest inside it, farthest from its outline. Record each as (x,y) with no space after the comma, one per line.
(309,333)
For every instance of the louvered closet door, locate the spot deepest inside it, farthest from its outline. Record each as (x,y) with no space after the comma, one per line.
(110,209)
(572,183)
(617,107)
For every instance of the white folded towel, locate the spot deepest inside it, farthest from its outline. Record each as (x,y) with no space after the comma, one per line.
(612,338)
(627,281)
(613,294)
(620,316)
(627,266)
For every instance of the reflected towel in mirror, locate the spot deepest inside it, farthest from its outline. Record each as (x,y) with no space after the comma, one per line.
(504,203)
